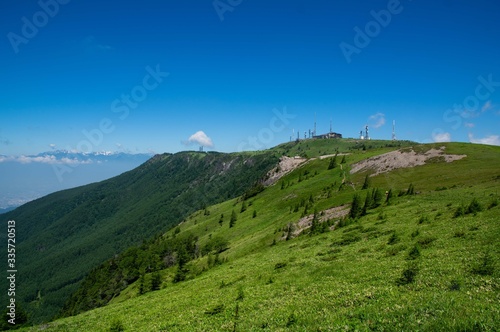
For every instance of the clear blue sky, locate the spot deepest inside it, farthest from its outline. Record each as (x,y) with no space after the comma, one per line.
(226,76)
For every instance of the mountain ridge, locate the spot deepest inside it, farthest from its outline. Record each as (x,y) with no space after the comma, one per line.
(415,258)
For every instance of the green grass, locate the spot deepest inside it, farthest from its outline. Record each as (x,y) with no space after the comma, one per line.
(365,276)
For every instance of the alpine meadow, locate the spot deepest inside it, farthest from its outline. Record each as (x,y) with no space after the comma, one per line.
(311,235)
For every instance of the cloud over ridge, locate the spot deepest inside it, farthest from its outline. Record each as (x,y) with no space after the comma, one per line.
(202,139)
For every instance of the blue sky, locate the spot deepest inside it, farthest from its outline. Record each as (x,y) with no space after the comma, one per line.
(246,73)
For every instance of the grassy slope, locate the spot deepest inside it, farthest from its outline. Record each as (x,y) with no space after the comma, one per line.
(327,283)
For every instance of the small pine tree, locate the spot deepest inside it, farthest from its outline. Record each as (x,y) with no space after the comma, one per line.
(254,215)
(233,219)
(141,285)
(474,207)
(356,207)
(366,184)
(408,275)
(333,163)
(315,223)
(411,190)
(221,220)
(306,211)
(377,198)
(368,203)
(243,207)
(155,281)
(343,160)
(289,231)
(311,199)
(183,258)
(414,253)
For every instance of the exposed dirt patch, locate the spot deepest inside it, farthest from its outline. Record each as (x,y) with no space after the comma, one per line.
(333,213)
(285,166)
(405,158)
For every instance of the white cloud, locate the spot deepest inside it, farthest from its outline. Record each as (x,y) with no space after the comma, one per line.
(488,140)
(441,137)
(469,125)
(52,146)
(202,139)
(377,120)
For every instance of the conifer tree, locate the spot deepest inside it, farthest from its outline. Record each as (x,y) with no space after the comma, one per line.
(411,190)
(233,219)
(356,208)
(141,285)
(155,281)
(366,184)
(333,163)
(368,203)
(377,198)
(315,223)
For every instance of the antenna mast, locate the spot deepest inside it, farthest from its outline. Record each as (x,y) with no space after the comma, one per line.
(314,134)
(394,130)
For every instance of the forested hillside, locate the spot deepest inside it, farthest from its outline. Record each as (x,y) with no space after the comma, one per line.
(63,236)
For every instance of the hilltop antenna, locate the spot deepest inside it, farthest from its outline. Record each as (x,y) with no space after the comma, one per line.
(361,135)
(331,126)
(314,124)
(394,130)
(367,136)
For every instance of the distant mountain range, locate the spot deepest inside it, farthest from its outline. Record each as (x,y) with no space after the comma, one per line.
(27,177)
